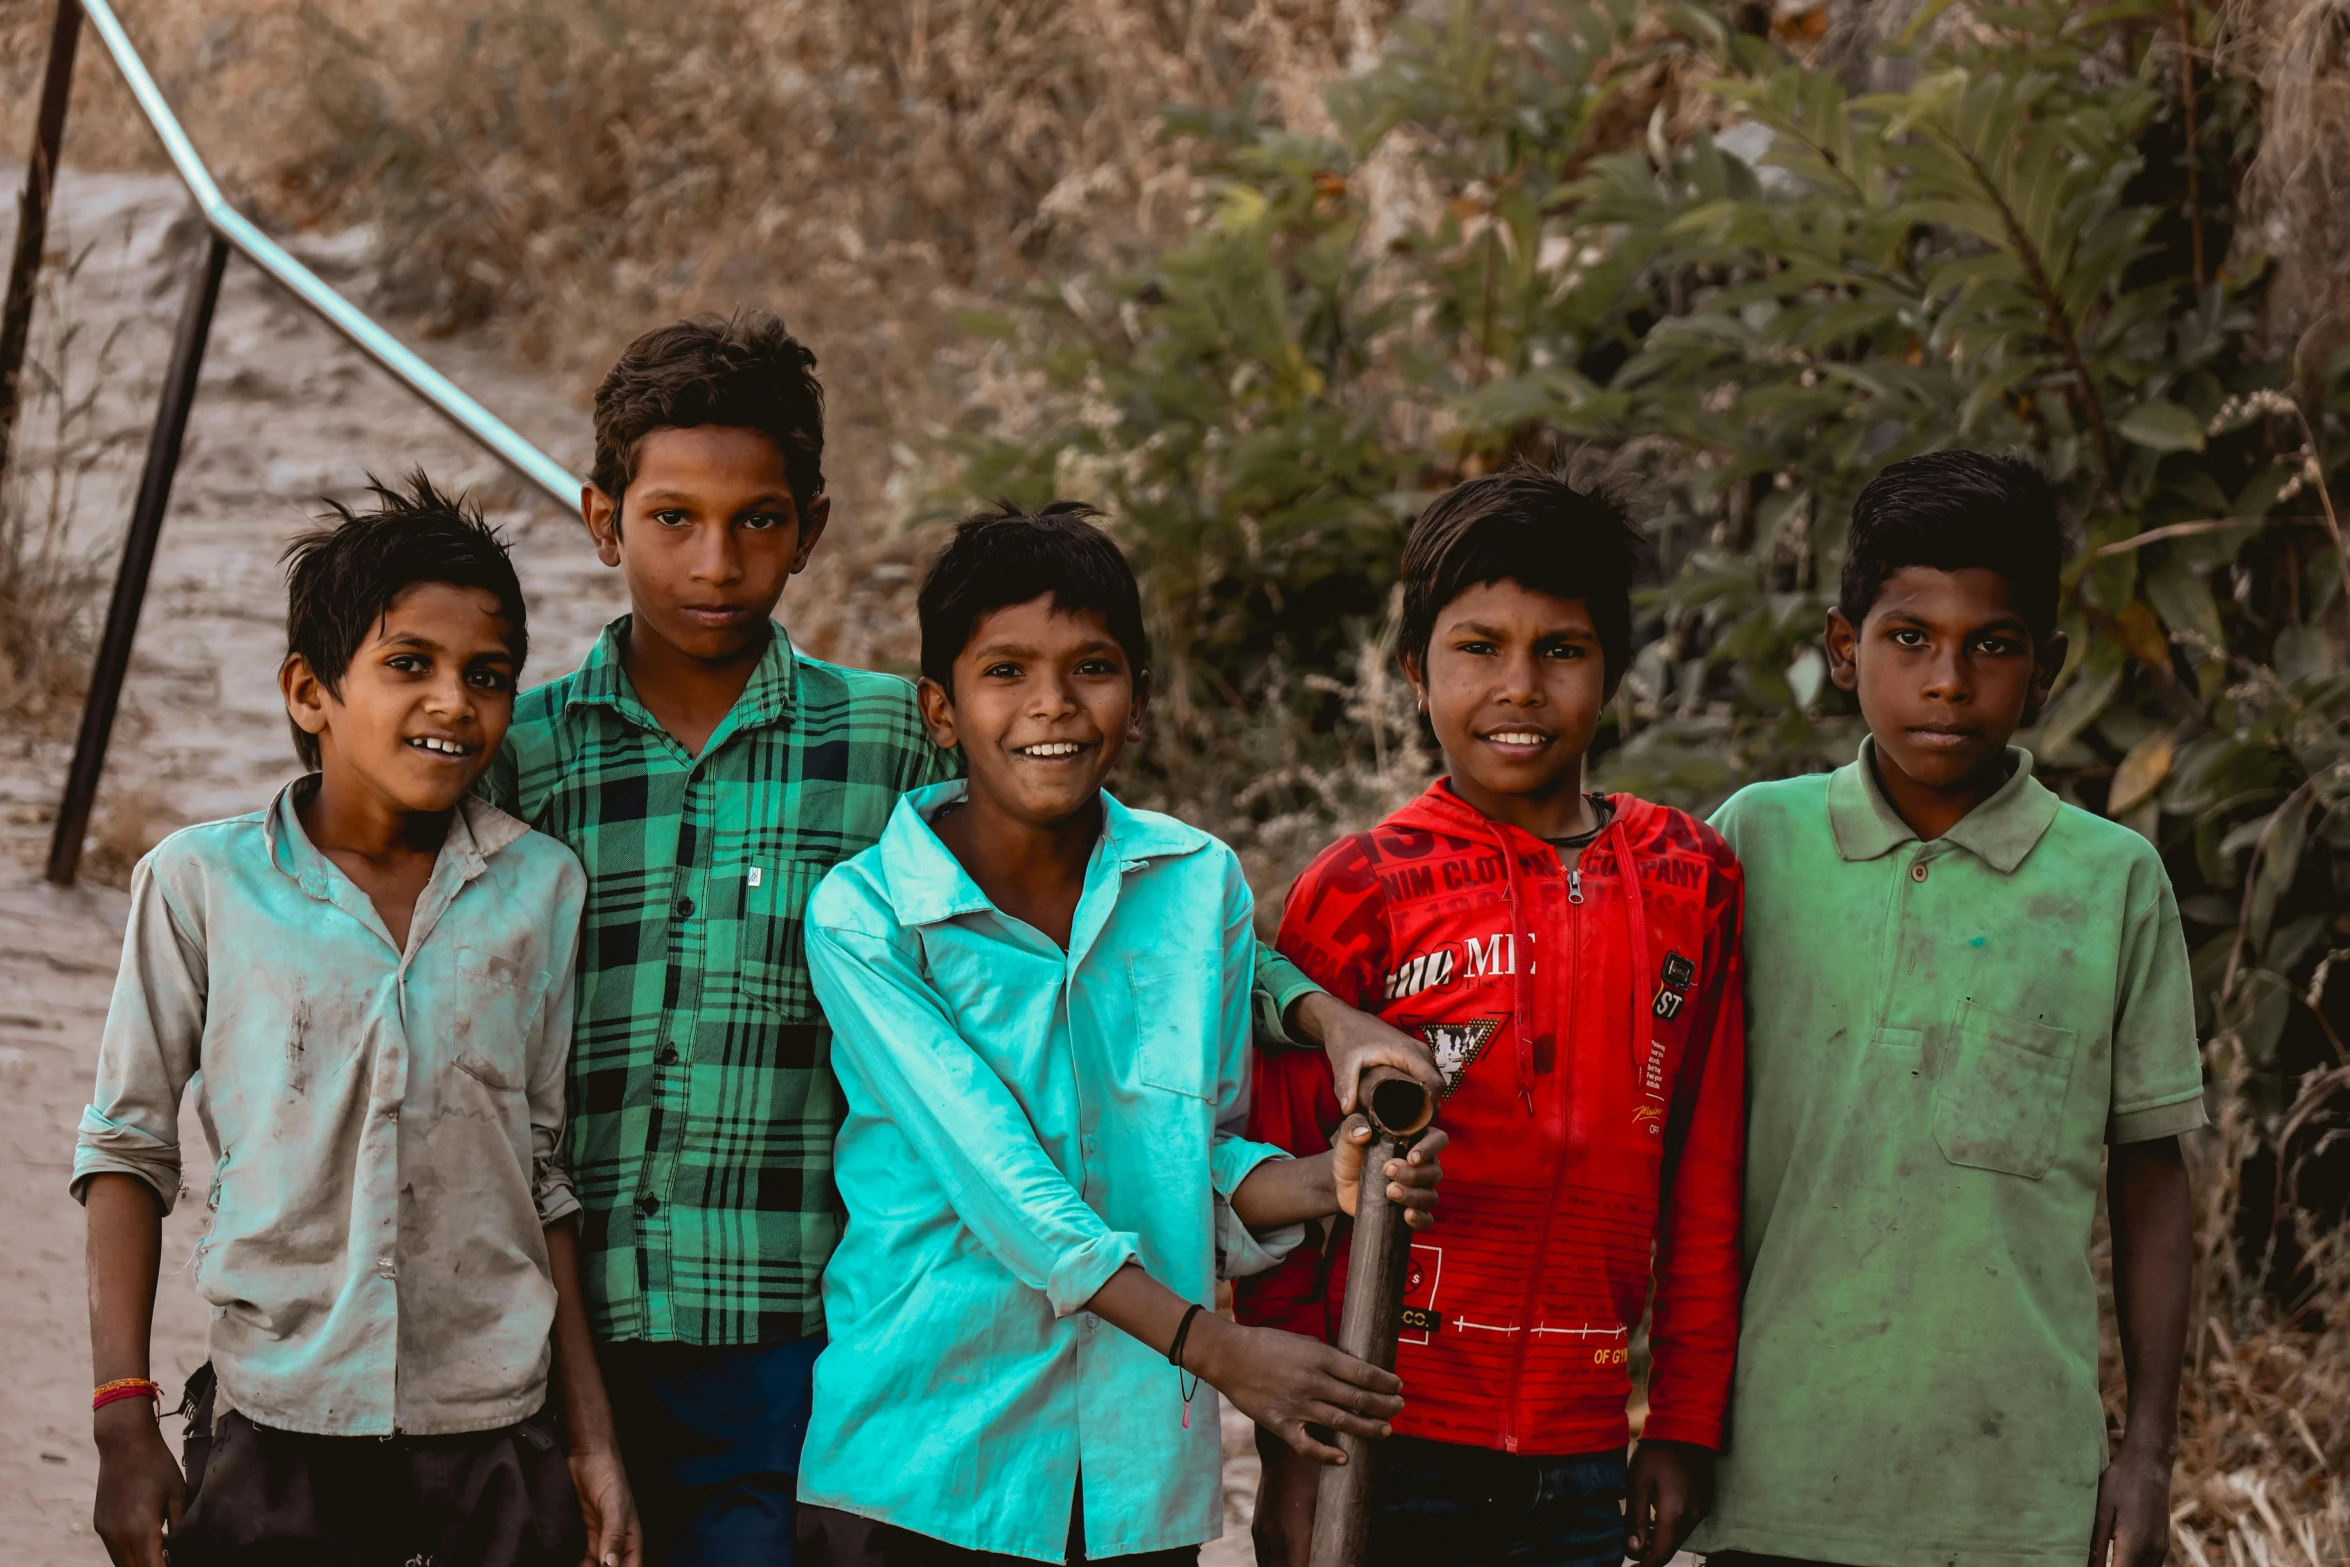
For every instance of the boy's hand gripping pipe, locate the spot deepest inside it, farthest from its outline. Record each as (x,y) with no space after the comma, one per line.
(1400,1110)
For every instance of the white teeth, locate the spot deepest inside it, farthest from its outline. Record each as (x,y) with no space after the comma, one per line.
(1052,748)
(445,747)
(1517,737)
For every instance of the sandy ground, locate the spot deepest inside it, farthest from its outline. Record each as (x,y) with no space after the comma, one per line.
(286,413)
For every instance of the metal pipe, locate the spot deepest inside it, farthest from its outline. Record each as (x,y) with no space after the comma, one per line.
(138,558)
(471,419)
(1399,1110)
(32,216)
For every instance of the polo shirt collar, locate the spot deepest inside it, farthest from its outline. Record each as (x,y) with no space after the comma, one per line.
(927,884)
(2000,831)
(768,697)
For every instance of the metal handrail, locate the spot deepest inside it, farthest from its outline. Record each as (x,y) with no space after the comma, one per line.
(230,231)
(445,396)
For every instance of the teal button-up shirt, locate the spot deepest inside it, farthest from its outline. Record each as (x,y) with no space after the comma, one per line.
(1022,1122)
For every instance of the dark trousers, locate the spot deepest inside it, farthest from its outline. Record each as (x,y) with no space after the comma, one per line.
(711,1439)
(830,1538)
(260,1497)
(1472,1506)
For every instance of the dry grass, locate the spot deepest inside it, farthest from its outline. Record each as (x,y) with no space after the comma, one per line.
(566,172)
(52,585)
(2265,1417)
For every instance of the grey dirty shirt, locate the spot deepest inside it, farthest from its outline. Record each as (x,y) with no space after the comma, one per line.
(386,1125)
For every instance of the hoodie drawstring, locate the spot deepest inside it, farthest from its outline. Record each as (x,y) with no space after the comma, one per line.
(1636,916)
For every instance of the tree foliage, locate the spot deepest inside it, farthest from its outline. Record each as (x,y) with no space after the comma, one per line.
(1639,239)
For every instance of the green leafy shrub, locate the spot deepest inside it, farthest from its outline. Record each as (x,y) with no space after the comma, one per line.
(1642,241)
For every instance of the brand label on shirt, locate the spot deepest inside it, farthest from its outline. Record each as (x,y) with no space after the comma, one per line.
(1456,1046)
(1471,959)
(1419,1319)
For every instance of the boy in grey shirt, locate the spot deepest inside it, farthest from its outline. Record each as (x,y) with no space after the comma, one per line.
(370,981)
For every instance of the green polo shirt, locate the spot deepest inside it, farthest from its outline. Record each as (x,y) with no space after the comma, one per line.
(1941,1038)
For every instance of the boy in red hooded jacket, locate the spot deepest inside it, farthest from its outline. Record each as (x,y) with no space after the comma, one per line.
(1571,960)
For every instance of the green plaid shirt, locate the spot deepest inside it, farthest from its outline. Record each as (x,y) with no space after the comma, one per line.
(703,1105)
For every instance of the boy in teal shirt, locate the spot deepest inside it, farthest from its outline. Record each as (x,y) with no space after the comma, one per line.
(1041,1000)
(1961,992)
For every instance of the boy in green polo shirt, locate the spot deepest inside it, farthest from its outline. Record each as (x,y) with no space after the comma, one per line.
(1961,991)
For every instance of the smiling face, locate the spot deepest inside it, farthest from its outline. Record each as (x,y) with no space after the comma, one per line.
(422,707)
(1043,702)
(706,537)
(1514,684)
(1946,669)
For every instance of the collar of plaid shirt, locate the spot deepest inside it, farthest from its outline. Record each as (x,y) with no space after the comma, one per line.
(703,1100)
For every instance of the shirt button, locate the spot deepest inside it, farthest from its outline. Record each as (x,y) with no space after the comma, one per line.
(648,1203)
(685,908)
(393,1114)
(668,1056)
(384,1266)
(1917,872)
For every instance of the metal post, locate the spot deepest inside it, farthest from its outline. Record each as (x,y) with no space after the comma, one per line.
(1399,1110)
(138,558)
(32,215)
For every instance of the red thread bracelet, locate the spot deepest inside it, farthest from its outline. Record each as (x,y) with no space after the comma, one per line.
(128,1387)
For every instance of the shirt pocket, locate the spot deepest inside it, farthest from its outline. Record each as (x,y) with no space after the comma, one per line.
(1999,1095)
(1178,1005)
(774,950)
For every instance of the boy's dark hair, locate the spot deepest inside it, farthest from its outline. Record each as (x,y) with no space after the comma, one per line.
(1952,511)
(1529,526)
(1007,556)
(342,578)
(742,370)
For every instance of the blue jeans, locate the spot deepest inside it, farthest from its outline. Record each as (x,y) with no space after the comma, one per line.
(1469,1506)
(711,1437)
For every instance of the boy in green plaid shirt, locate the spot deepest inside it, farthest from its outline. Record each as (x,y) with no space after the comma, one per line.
(707,775)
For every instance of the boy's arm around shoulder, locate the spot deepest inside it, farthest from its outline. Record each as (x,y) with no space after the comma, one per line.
(892,1036)
(1233,1157)
(1332,952)
(1698,1266)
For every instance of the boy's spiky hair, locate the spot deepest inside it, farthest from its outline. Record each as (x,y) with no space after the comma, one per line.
(1530,526)
(1952,511)
(1008,556)
(742,370)
(342,578)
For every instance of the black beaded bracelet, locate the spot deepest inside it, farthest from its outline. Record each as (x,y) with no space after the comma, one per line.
(1182,1332)
(1175,1359)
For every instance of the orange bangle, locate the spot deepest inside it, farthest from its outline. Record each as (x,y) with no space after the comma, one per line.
(126,1387)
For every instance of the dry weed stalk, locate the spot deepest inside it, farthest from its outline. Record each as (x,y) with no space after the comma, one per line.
(51,583)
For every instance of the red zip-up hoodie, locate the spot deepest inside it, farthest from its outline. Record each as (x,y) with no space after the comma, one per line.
(1594,1042)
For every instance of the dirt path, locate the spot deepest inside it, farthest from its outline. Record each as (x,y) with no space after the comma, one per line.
(285,414)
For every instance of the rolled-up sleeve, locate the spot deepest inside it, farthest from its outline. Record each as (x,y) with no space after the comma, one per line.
(550,1058)
(151,1047)
(891,1032)
(1253,980)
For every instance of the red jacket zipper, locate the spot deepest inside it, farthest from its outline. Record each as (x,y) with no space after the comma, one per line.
(1563,1029)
